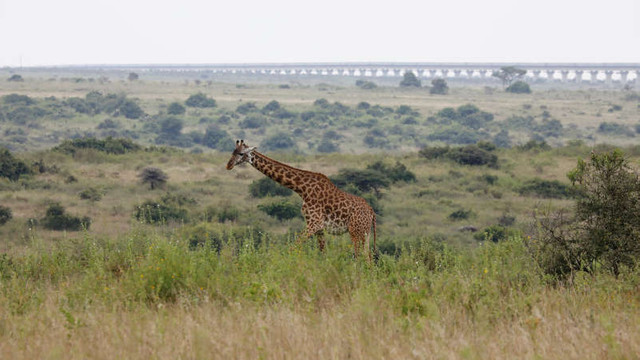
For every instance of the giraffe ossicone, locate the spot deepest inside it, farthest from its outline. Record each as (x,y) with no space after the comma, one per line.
(324,206)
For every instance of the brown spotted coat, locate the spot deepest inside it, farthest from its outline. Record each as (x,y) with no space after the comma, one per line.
(324,206)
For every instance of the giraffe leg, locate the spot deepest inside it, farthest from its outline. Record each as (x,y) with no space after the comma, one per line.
(321,241)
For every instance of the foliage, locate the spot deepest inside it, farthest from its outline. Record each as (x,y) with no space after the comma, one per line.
(156,178)
(439,86)
(519,87)
(133,76)
(613,128)
(266,187)
(608,208)
(5,214)
(253,122)
(465,155)
(550,189)
(200,100)
(327,146)
(278,141)
(16,99)
(493,233)
(175,108)
(10,167)
(109,145)
(461,214)
(91,193)
(409,79)
(16,78)
(534,145)
(398,172)
(281,209)
(159,212)
(366,84)
(362,180)
(57,219)
(508,74)
(603,230)
(216,138)
(246,108)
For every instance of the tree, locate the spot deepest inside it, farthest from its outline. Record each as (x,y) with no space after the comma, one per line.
(409,79)
(267,187)
(131,110)
(508,74)
(608,209)
(439,86)
(519,87)
(10,167)
(171,126)
(153,176)
(133,76)
(175,108)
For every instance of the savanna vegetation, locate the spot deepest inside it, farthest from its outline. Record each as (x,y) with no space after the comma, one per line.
(507,222)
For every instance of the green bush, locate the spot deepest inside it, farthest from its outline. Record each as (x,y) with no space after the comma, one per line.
(131,110)
(109,145)
(552,189)
(472,155)
(439,86)
(10,167)
(455,135)
(461,214)
(328,146)
(266,187)
(398,172)
(362,180)
(91,194)
(175,108)
(494,233)
(281,209)
(216,138)
(16,99)
(253,122)
(246,108)
(366,85)
(612,128)
(57,219)
(159,212)
(5,214)
(519,87)
(409,79)
(278,141)
(200,100)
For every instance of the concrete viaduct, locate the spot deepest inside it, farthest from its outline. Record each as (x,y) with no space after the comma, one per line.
(607,73)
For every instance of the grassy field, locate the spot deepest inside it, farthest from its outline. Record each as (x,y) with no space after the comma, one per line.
(210,286)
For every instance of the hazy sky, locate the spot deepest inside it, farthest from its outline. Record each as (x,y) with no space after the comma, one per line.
(58,32)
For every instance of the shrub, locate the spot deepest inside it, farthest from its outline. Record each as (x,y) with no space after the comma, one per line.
(108,124)
(603,231)
(455,135)
(156,178)
(328,146)
(15,99)
(519,87)
(200,100)
(612,128)
(158,212)
(228,213)
(91,193)
(461,214)
(175,108)
(439,86)
(472,155)
(16,78)
(494,233)
(246,108)
(278,141)
(267,187)
(398,172)
(131,110)
(409,79)
(5,214)
(271,107)
(109,145)
(253,122)
(546,189)
(366,85)
(281,209)
(10,167)
(57,219)
(362,180)
(216,138)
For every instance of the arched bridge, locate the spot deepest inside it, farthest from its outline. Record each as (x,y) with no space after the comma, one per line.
(561,72)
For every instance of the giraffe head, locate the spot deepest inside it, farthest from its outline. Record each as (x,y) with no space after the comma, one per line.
(242,153)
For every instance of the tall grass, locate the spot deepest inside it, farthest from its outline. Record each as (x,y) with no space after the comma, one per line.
(155,294)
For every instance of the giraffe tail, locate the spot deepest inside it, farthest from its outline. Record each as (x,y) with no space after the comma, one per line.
(375,250)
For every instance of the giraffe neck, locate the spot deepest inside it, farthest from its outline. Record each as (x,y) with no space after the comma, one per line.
(283,174)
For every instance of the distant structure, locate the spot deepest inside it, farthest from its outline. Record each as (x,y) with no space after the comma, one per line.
(593,73)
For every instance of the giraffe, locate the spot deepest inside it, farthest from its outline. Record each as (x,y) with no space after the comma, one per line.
(324,206)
